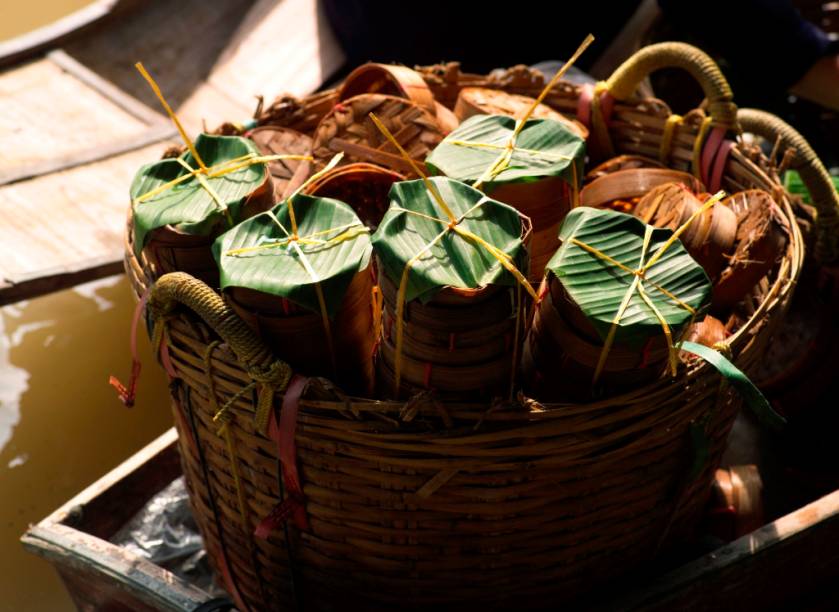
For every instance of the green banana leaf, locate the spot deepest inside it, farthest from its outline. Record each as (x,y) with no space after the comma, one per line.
(334,243)
(454,260)
(543,148)
(598,286)
(188,205)
(794,184)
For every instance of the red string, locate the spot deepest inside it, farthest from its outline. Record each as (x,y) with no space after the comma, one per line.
(128,393)
(282,433)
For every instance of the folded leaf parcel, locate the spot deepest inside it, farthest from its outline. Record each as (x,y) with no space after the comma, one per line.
(637,284)
(294,240)
(507,149)
(203,172)
(451,223)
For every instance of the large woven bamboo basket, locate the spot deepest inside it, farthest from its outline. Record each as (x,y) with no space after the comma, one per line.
(419,504)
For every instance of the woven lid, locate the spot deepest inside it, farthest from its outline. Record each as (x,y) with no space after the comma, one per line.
(542,148)
(169,192)
(416,234)
(331,246)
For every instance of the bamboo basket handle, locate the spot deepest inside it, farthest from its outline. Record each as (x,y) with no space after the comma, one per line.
(813,173)
(179,288)
(625,80)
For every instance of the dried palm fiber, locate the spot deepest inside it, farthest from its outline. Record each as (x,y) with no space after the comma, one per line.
(399,81)
(300,275)
(762,237)
(617,294)
(460,504)
(446,252)
(624,188)
(363,186)
(179,205)
(709,238)
(473,101)
(272,140)
(621,162)
(347,128)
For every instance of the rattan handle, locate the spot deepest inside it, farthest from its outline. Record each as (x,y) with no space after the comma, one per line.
(179,288)
(625,80)
(813,173)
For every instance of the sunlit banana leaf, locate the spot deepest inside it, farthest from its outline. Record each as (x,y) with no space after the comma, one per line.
(599,286)
(453,260)
(543,148)
(333,246)
(188,205)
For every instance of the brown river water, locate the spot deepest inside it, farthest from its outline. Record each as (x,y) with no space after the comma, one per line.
(61,424)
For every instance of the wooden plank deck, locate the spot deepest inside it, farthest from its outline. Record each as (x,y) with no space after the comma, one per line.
(77,123)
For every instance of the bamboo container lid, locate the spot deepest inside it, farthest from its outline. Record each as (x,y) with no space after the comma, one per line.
(399,81)
(348,128)
(627,184)
(482,101)
(272,140)
(363,186)
(621,162)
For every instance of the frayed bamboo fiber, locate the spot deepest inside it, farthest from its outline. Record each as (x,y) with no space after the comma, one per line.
(762,237)
(709,238)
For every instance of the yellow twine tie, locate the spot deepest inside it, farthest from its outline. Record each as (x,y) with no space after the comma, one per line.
(226,417)
(502,162)
(696,162)
(667,137)
(142,70)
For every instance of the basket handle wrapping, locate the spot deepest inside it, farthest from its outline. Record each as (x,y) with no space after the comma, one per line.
(625,80)
(179,288)
(812,171)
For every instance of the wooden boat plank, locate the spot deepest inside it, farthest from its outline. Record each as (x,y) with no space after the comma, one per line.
(178,42)
(791,563)
(66,226)
(131,105)
(47,113)
(210,63)
(98,574)
(281,47)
